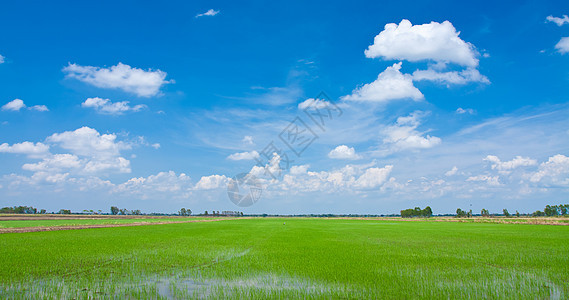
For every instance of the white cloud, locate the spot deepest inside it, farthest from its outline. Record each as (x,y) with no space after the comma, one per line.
(461,111)
(404,136)
(506,166)
(105,106)
(28,148)
(373,177)
(17,104)
(55,163)
(347,179)
(97,152)
(209,13)
(297,170)
(91,153)
(244,155)
(314,103)
(557,20)
(452,77)
(248,140)
(156,186)
(391,84)
(133,80)
(490,180)
(438,42)
(1,59)
(212,182)
(155,146)
(343,152)
(554,172)
(119,164)
(272,168)
(563,45)
(14,105)
(87,141)
(452,171)
(39,108)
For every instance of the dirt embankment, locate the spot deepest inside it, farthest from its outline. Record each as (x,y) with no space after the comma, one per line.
(24,217)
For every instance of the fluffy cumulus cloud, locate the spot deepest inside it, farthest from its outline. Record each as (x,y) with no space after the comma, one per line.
(452,77)
(89,152)
(563,45)
(14,105)
(55,163)
(373,177)
(17,104)
(343,152)
(347,179)
(211,182)
(105,106)
(438,42)
(403,135)
(163,184)
(87,141)
(553,172)
(244,155)
(559,21)
(209,13)
(124,77)
(507,166)
(391,84)
(28,148)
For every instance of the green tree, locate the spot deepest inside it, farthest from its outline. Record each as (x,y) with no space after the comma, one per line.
(114,210)
(551,210)
(485,213)
(185,212)
(460,213)
(506,213)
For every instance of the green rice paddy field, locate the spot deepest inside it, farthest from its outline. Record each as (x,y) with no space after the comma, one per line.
(289,258)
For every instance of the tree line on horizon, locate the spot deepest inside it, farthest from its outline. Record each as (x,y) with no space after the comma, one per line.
(549,211)
(417,212)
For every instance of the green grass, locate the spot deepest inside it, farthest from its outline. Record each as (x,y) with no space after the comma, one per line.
(56,222)
(307,258)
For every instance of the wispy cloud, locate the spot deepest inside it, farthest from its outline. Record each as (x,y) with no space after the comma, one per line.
(559,21)
(105,106)
(209,13)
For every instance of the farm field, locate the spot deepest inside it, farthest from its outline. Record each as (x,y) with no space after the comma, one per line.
(33,221)
(290,257)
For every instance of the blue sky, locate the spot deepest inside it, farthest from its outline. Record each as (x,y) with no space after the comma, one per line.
(155,106)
